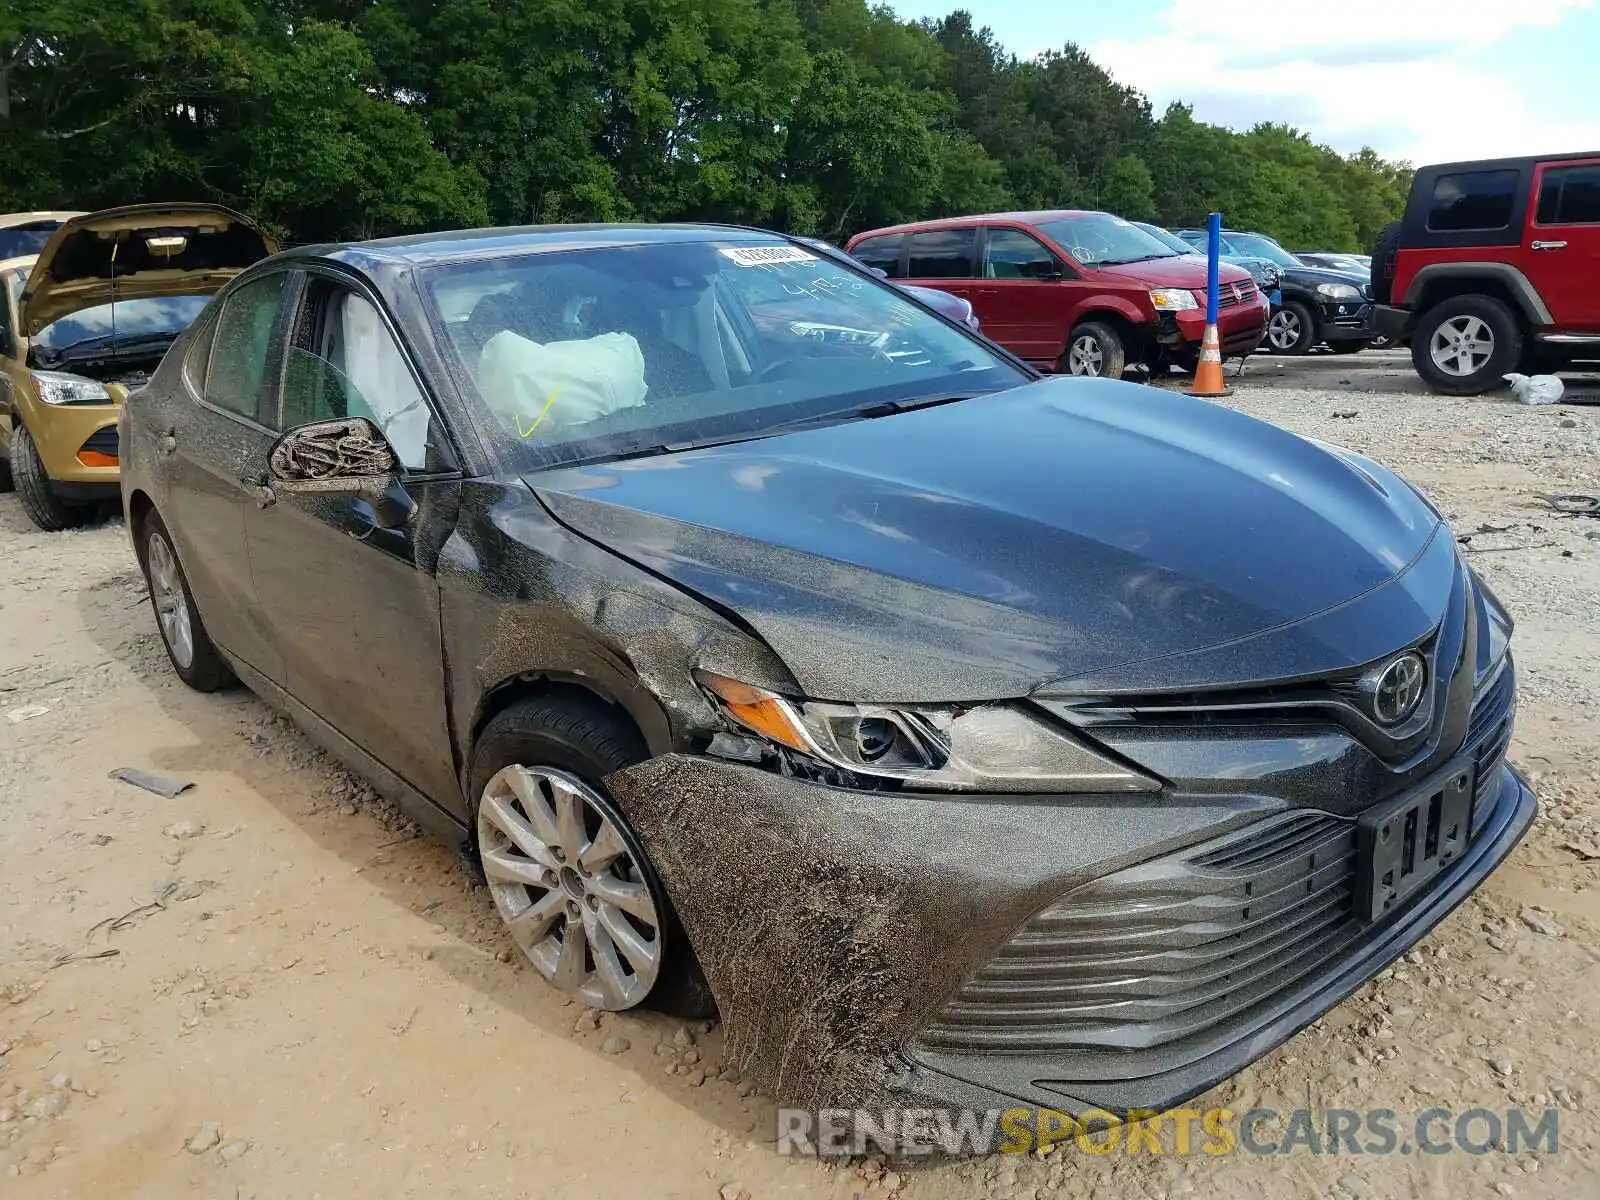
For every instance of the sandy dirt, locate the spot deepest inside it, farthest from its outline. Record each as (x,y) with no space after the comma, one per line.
(270,987)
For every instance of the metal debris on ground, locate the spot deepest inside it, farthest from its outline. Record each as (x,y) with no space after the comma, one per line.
(1573,504)
(161,785)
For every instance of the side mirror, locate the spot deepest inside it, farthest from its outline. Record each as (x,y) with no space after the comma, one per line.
(348,455)
(878,272)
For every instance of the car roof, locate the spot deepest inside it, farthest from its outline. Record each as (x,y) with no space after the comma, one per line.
(1505,164)
(426,249)
(1021,218)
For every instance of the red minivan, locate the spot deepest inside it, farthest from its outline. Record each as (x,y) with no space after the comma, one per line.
(1082,292)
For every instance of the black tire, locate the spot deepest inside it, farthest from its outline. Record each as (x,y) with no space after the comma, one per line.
(586,737)
(1112,358)
(207,670)
(6,482)
(46,509)
(1505,351)
(1304,326)
(1384,249)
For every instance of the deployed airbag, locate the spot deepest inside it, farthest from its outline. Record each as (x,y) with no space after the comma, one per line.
(539,388)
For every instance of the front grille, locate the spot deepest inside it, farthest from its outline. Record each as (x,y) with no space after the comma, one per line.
(1230,295)
(103,441)
(1175,947)
(1162,950)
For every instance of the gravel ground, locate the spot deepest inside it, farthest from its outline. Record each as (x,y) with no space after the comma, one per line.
(269,987)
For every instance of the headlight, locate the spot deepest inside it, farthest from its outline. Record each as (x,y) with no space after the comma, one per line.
(991,747)
(57,387)
(1270,277)
(1173,299)
(1338,291)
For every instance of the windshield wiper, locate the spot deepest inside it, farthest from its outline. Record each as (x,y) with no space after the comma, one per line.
(880,408)
(1123,262)
(106,343)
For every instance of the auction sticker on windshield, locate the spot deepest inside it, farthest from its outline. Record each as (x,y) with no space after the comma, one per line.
(766,256)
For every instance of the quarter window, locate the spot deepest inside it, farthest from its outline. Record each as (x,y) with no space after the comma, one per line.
(1570,196)
(242,346)
(1012,254)
(943,254)
(881,252)
(1473,200)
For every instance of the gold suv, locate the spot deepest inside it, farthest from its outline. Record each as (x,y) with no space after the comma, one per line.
(84,320)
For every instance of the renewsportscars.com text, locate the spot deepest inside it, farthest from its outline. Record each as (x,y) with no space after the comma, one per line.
(910,1132)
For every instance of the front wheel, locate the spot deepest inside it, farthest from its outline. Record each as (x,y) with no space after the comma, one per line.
(1292,329)
(1465,345)
(568,876)
(1095,350)
(47,510)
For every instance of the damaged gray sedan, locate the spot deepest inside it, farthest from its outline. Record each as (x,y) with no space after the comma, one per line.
(965,738)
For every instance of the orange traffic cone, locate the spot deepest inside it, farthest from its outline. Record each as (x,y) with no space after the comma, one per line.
(1208,372)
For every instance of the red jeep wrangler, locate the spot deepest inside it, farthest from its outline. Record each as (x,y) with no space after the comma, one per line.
(1081,292)
(1495,267)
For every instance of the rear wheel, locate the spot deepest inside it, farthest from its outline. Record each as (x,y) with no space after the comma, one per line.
(47,510)
(189,647)
(1464,346)
(1292,329)
(568,876)
(1095,349)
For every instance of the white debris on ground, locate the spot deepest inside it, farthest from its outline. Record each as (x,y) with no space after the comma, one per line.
(270,985)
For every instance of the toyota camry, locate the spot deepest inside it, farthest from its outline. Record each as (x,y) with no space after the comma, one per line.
(964,737)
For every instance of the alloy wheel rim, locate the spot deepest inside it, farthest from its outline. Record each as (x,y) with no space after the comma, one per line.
(1283,330)
(568,886)
(1085,357)
(1462,345)
(172,606)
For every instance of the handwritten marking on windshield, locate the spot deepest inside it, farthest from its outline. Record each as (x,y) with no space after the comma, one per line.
(529,431)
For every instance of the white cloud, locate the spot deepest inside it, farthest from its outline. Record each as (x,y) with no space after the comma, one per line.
(1413,78)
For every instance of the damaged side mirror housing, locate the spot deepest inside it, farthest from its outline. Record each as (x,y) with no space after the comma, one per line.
(346,456)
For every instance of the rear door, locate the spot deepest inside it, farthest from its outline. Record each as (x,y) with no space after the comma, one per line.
(1028,291)
(354,607)
(1562,246)
(213,447)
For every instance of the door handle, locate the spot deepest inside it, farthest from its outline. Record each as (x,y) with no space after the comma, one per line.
(1549,245)
(260,490)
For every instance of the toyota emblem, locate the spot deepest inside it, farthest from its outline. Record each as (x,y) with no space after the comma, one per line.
(1395,689)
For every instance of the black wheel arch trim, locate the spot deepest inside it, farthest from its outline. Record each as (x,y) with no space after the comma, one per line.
(1520,287)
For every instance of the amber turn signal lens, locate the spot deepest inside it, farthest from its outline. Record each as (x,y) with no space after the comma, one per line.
(762,711)
(96,458)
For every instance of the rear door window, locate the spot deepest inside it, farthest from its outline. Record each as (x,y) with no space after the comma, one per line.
(1012,254)
(881,252)
(242,350)
(1473,200)
(1570,195)
(943,254)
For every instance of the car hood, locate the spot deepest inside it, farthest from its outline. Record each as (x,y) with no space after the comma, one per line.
(1311,276)
(136,252)
(1185,270)
(1014,543)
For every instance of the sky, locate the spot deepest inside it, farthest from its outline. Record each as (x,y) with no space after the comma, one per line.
(1425,80)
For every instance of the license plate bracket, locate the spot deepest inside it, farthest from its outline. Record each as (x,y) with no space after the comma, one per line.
(1410,839)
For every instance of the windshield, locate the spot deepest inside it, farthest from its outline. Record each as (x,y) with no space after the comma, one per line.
(1170,240)
(19,240)
(606,352)
(131,320)
(1101,240)
(1257,246)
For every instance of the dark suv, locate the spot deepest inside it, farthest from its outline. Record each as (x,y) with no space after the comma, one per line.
(1493,268)
(1315,305)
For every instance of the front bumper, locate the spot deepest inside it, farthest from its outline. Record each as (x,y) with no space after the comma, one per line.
(1346,321)
(840,931)
(78,445)
(1240,328)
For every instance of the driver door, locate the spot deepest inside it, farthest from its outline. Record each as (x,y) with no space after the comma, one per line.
(352,595)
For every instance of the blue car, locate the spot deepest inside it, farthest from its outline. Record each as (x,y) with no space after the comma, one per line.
(1263,271)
